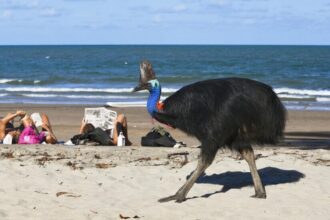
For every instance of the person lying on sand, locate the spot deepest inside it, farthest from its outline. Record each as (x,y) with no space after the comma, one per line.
(37,129)
(109,137)
(7,127)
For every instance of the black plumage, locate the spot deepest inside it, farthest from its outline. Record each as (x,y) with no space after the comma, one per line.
(229,112)
(226,111)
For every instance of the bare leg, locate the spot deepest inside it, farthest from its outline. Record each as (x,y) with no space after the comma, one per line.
(125,130)
(27,121)
(248,154)
(204,162)
(115,132)
(82,126)
(121,119)
(50,138)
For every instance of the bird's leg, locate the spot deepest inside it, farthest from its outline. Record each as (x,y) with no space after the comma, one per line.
(204,161)
(180,195)
(248,155)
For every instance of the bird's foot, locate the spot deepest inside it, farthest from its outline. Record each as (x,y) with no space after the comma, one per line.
(175,197)
(260,195)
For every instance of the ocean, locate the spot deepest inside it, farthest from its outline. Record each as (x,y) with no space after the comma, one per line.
(105,74)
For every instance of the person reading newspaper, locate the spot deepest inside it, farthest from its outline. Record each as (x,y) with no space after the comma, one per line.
(8,133)
(37,129)
(33,129)
(103,126)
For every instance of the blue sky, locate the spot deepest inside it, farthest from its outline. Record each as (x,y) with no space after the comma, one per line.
(164,22)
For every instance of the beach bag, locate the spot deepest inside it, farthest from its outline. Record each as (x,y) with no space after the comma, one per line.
(158,137)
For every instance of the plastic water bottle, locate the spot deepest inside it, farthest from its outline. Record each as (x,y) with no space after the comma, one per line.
(121,140)
(8,139)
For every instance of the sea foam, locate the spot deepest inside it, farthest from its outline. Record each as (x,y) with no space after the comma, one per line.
(4,81)
(48,89)
(79,96)
(302,91)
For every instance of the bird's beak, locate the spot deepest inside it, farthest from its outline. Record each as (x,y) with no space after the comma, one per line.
(142,86)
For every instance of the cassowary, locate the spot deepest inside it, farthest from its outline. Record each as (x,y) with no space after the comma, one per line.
(229,112)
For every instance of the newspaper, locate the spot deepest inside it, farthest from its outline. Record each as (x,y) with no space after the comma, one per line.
(100,117)
(36,118)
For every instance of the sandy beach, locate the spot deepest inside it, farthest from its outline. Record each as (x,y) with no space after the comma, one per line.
(94,182)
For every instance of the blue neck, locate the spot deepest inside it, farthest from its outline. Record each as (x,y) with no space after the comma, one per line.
(154,96)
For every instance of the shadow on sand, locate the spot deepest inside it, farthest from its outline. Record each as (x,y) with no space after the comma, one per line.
(237,180)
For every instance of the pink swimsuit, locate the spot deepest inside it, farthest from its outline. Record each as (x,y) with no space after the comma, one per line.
(29,136)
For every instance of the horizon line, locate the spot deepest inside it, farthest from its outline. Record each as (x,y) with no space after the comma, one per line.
(2,45)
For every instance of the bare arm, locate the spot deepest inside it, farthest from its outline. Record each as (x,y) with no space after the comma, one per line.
(82,126)
(11,116)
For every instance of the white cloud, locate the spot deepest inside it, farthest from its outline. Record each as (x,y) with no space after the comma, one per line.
(7,13)
(219,2)
(180,7)
(157,19)
(170,10)
(97,26)
(20,4)
(49,12)
(249,21)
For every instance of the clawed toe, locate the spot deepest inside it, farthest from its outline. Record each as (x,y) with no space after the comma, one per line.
(167,199)
(260,196)
(170,198)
